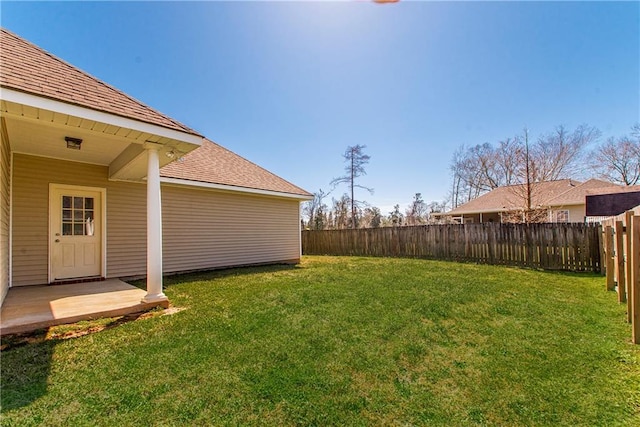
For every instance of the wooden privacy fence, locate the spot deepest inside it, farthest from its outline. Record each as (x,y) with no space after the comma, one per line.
(621,254)
(574,247)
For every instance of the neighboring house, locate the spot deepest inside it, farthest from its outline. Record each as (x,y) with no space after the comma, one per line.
(606,202)
(556,201)
(94,184)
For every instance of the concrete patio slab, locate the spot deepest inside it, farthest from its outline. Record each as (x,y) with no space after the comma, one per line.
(34,307)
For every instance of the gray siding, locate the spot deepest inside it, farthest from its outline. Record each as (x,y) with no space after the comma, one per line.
(5,200)
(202,228)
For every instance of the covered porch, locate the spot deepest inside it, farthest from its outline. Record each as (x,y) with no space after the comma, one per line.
(28,308)
(71,177)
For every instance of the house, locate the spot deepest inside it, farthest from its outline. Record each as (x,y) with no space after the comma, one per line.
(555,201)
(95,185)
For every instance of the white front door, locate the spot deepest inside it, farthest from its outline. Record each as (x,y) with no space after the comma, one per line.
(75,232)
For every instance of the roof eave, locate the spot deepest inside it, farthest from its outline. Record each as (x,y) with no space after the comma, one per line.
(234,188)
(472,212)
(38,101)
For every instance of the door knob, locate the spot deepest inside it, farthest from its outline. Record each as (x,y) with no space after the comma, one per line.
(57,234)
(57,240)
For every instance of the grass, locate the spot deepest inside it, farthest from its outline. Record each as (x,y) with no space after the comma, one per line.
(345,341)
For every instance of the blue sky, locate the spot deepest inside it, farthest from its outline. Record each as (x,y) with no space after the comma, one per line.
(289,85)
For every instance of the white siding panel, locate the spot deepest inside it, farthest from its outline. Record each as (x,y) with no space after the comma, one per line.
(212,229)
(5,199)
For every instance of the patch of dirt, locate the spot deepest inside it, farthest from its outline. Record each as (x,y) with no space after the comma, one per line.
(172,310)
(76,330)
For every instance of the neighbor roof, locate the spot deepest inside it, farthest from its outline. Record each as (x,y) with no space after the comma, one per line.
(576,195)
(26,67)
(614,190)
(512,197)
(215,164)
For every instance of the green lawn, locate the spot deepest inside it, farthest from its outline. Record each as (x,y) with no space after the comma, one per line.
(345,341)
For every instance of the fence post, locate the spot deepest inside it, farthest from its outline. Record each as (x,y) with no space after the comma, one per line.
(608,253)
(491,238)
(596,262)
(620,270)
(634,289)
(629,264)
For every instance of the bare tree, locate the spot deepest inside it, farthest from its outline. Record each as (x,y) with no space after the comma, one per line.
(396,218)
(484,167)
(487,172)
(508,155)
(618,159)
(340,212)
(559,154)
(454,196)
(635,132)
(417,212)
(355,160)
(469,167)
(550,158)
(372,217)
(457,171)
(315,211)
(524,204)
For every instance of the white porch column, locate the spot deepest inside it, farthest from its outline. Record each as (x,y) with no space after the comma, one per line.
(154,226)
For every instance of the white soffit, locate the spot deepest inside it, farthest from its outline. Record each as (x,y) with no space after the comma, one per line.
(99,116)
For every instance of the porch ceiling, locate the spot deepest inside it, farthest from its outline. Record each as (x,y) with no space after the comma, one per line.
(45,138)
(41,132)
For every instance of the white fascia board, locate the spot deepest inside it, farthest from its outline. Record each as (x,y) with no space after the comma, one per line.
(98,116)
(562,205)
(200,184)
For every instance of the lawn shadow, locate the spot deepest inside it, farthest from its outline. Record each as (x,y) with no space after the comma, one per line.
(25,369)
(216,273)
(27,357)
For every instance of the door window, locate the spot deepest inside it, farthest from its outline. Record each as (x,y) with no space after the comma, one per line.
(77,216)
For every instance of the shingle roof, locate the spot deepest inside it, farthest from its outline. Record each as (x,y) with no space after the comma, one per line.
(577,194)
(27,68)
(215,164)
(512,197)
(614,190)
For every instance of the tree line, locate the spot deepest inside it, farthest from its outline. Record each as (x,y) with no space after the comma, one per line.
(519,161)
(340,215)
(347,211)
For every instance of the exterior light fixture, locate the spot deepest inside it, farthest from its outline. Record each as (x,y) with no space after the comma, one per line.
(175,154)
(73,143)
